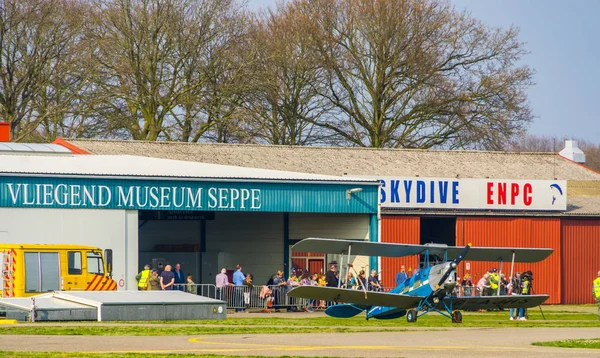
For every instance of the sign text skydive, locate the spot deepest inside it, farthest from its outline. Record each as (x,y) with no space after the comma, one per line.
(442,193)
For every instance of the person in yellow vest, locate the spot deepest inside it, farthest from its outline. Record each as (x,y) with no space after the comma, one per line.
(596,292)
(525,290)
(142,278)
(493,281)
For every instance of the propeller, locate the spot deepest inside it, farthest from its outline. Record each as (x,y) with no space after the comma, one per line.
(454,265)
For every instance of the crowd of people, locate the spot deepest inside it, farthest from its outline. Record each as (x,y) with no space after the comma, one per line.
(169,279)
(274,291)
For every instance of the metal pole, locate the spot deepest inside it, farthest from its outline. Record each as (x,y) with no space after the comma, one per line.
(348,262)
(512,267)
(499,279)
(32,309)
(341,270)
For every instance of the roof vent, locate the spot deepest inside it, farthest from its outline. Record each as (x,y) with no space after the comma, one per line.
(572,152)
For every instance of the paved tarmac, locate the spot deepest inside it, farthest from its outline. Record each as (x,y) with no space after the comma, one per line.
(467,342)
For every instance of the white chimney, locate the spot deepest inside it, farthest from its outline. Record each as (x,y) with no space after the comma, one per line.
(572,152)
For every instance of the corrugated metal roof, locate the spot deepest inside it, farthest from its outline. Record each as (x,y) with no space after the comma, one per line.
(357,161)
(32,148)
(133,166)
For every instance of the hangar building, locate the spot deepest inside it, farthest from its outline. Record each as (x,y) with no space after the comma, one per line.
(484,184)
(204,216)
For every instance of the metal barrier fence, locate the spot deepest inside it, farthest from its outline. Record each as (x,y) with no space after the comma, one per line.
(275,297)
(253,297)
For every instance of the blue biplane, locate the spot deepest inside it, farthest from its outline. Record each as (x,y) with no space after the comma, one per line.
(428,290)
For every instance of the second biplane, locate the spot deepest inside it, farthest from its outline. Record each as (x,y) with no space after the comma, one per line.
(428,290)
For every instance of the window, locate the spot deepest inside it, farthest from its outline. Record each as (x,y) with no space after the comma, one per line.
(94,263)
(32,272)
(74,262)
(42,271)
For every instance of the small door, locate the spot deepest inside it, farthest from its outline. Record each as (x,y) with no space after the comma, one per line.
(316,266)
(73,279)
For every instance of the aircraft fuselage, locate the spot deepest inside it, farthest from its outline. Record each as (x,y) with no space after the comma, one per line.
(422,283)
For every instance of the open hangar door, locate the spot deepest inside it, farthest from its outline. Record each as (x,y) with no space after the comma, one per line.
(205,242)
(414,230)
(170,237)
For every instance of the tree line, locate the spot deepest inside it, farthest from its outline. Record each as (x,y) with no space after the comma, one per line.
(386,73)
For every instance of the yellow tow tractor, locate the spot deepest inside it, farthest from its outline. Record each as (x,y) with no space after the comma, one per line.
(31,269)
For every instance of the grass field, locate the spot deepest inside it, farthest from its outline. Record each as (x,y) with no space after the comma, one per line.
(290,322)
(572,343)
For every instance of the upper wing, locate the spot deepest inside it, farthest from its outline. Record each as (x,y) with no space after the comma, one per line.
(491,302)
(367,248)
(356,247)
(501,254)
(357,297)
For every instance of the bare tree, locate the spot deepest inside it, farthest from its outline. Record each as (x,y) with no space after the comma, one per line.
(38,83)
(417,74)
(285,100)
(143,48)
(216,71)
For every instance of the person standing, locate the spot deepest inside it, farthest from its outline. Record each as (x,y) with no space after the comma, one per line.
(279,287)
(467,285)
(527,277)
(190,286)
(180,278)
(154,281)
(331,278)
(401,276)
(374,284)
(482,285)
(238,281)
(596,292)
(167,279)
(142,278)
(493,282)
(516,288)
(221,281)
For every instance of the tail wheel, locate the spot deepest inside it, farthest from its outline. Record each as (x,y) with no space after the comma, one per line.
(456,317)
(411,316)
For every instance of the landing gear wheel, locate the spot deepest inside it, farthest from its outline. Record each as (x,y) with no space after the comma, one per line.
(456,317)
(411,316)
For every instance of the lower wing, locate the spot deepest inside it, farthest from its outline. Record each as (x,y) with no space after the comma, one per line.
(491,302)
(356,297)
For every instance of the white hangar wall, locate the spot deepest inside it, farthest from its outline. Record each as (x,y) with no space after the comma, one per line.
(106,229)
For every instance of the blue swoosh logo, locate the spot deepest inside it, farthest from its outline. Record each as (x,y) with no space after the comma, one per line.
(557,188)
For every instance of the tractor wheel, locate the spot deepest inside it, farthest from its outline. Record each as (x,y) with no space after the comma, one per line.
(411,316)
(456,317)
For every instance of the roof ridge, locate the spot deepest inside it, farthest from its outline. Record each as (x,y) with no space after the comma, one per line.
(307,147)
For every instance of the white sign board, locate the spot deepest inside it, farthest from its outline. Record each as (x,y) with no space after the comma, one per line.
(479,194)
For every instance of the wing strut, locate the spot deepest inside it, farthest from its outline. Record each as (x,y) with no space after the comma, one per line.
(512,267)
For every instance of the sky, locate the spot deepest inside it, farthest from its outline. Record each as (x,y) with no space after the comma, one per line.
(563,38)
